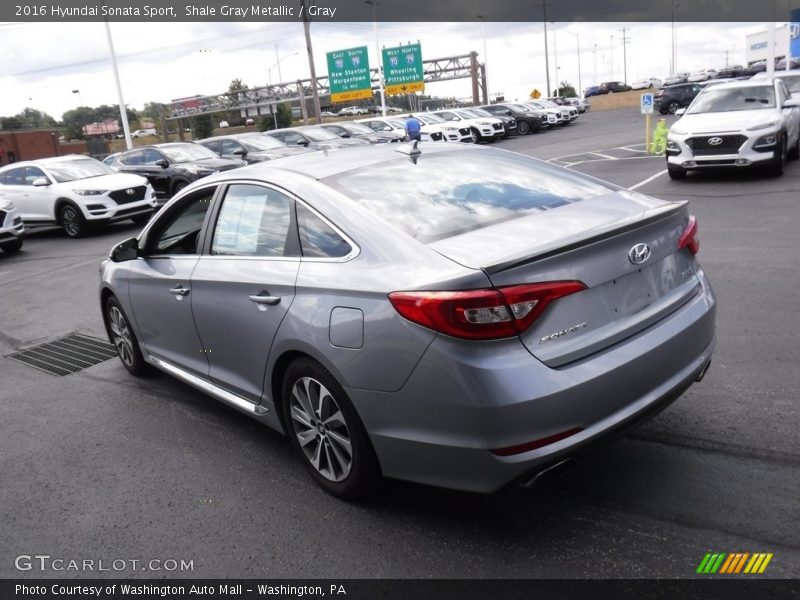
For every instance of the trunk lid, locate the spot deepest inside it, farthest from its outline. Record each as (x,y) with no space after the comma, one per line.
(588,241)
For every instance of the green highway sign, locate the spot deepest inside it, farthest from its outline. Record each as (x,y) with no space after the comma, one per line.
(402,69)
(348,74)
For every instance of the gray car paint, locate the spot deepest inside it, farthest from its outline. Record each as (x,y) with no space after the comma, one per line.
(432,404)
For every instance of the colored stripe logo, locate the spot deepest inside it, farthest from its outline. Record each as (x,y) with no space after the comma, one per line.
(734,563)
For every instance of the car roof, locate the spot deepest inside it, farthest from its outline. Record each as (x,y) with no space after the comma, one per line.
(328,163)
(230,135)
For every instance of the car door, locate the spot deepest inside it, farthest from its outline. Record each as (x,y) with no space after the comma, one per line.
(41,199)
(791,114)
(159,283)
(233,149)
(159,176)
(14,189)
(243,285)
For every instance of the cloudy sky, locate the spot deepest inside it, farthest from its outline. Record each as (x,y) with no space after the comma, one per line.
(43,62)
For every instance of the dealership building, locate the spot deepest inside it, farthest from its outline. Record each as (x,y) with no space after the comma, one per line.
(757,46)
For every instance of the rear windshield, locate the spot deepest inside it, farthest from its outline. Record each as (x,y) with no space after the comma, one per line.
(443,195)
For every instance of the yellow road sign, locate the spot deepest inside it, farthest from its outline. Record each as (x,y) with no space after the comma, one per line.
(536,94)
(350,96)
(405,88)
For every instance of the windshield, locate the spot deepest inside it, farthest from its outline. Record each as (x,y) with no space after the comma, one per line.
(396,123)
(356,128)
(80,168)
(717,99)
(548,103)
(181,153)
(254,143)
(464,114)
(318,134)
(461,191)
(520,107)
(431,119)
(480,112)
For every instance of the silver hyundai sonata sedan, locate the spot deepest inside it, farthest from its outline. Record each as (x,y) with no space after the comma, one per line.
(458,316)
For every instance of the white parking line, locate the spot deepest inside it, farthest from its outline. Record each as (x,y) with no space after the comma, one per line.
(603,155)
(648,180)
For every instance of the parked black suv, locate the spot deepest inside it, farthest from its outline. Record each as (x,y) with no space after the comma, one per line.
(527,121)
(731,71)
(250,147)
(171,167)
(673,97)
(610,87)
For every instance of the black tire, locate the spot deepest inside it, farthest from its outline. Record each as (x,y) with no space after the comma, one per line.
(142,219)
(312,414)
(178,186)
(523,127)
(779,162)
(72,222)
(650,87)
(794,151)
(673,107)
(124,339)
(476,135)
(676,173)
(12,246)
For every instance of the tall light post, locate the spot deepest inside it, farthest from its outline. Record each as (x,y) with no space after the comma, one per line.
(123,111)
(80,102)
(546,57)
(555,56)
(378,56)
(594,65)
(675,7)
(578,43)
(278,64)
(485,55)
(611,58)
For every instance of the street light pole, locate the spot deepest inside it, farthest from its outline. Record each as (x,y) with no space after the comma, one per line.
(278,64)
(546,57)
(578,43)
(555,56)
(80,102)
(123,112)
(485,57)
(378,55)
(611,58)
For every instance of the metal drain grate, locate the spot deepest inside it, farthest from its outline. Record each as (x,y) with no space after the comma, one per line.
(66,355)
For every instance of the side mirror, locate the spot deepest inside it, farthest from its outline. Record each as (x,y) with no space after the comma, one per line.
(41,182)
(162,163)
(344,134)
(302,142)
(127,250)
(240,152)
(788,103)
(680,111)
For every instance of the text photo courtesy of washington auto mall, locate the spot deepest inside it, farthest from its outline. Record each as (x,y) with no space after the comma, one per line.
(399,299)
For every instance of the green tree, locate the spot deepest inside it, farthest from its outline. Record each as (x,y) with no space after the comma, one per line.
(284,115)
(567,90)
(202,127)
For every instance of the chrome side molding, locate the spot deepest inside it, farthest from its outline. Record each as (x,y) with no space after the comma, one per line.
(209,388)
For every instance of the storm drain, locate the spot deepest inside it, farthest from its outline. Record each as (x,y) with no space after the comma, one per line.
(66,355)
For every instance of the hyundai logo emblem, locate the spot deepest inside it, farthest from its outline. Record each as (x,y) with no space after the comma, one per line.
(130,191)
(639,254)
(715,141)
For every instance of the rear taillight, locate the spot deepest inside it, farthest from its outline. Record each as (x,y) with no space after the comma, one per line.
(689,238)
(482,314)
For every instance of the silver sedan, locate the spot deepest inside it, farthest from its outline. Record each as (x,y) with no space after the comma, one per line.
(456,316)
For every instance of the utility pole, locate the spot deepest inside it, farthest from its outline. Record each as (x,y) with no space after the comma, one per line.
(726,56)
(594,65)
(625,41)
(312,69)
(611,58)
(546,54)
(555,57)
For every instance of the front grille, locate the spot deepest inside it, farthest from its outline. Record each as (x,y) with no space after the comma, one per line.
(66,355)
(724,161)
(497,125)
(730,144)
(436,136)
(464,131)
(124,197)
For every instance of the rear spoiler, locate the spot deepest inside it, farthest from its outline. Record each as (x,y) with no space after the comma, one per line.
(608,232)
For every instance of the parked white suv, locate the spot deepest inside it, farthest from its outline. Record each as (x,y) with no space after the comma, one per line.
(736,124)
(12,230)
(482,128)
(75,192)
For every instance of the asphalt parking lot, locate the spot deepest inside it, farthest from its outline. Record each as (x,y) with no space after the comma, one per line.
(100,465)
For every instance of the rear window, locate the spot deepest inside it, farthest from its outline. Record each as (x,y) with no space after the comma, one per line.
(444,195)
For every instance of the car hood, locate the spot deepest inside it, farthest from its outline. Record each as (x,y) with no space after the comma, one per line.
(724,121)
(217,164)
(112,181)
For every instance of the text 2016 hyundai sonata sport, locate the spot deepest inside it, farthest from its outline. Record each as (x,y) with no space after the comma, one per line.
(458,316)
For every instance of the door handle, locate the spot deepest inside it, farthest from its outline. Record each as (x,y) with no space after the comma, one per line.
(264,299)
(180,290)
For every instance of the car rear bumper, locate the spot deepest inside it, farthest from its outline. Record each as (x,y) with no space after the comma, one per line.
(465,399)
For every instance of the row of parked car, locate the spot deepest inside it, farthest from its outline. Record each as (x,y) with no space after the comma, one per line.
(78,192)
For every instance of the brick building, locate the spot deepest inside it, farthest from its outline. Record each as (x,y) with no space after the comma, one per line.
(27,145)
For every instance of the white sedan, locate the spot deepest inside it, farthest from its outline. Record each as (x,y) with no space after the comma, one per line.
(648,83)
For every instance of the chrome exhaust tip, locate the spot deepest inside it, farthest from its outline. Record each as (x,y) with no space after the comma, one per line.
(549,472)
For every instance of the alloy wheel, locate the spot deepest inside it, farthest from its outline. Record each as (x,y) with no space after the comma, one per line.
(70,222)
(321,429)
(121,335)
